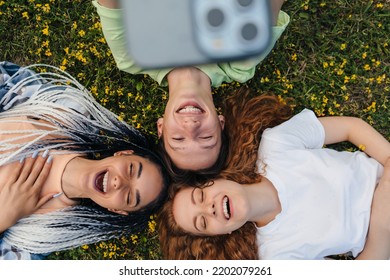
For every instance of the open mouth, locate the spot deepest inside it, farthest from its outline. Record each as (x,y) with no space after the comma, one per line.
(190,109)
(226,207)
(101,182)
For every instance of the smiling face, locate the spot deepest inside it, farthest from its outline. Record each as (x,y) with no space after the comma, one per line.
(218,209)
(191,129)
(124,182)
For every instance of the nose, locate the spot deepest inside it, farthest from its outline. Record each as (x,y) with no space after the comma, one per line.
(118,182)
(209,209)
(191,123)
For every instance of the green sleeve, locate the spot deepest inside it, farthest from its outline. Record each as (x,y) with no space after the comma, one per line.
(114,34)
(242,71)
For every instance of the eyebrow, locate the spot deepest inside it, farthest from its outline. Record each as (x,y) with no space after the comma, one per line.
(193,202)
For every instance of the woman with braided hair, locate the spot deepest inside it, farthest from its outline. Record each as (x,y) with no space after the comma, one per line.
(82,174)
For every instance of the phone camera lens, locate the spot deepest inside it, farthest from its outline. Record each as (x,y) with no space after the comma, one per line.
(245,3)
(249,31)
(215,17)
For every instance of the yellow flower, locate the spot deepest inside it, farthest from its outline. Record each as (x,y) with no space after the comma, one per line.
(82,33)
(264,80)
(367,67)
(362,147)
(45,43)
(294,57)
(46,8)
(343,46)
(340,72)
(364,55)
(48,52)
(45,30)
(25,15)
(380,79)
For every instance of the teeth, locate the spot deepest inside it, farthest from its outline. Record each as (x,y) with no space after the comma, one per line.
(190,109)
(105,180)
(226,207)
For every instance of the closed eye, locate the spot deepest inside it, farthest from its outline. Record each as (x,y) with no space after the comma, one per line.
(206,137)
(179,139)
(203,222)
(131,170)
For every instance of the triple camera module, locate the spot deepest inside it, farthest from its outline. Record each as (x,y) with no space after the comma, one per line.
(227,25)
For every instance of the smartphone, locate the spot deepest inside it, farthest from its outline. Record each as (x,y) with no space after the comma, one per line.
(171,33)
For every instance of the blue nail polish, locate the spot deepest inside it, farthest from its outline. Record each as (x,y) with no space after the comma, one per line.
(57,194)
(45,153)
(49,159)
(34,155)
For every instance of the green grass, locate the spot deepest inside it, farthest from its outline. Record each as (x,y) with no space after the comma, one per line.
(333,58)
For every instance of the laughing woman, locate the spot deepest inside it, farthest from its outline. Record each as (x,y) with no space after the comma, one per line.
(91,176)
(283,195)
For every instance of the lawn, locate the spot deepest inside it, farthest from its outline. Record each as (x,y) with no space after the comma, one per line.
(333,58)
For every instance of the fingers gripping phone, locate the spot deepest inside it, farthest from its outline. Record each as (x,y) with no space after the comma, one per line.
(169,33)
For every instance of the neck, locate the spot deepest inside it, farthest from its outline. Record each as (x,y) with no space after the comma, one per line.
(264,202)
(188,77)
(70,178)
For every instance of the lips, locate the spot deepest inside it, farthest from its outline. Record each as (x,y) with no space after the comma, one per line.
(226,207)
(101,182)
(190,108)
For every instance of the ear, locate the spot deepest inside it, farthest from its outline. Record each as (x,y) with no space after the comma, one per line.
(120,212)
(124,153)
(160,123)
(222,121)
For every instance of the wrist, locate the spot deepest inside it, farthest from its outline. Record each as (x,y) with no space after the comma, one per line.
(111,4)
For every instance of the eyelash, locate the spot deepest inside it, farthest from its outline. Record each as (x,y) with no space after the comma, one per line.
(131,170)
(204,222)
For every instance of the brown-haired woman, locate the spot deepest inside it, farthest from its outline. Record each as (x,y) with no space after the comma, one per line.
(301,201)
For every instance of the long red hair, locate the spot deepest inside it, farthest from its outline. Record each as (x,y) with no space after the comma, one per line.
(247,116)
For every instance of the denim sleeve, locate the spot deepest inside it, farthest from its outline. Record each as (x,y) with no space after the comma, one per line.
(8,252)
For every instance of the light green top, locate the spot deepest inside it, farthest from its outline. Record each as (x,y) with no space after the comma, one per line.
(240,71)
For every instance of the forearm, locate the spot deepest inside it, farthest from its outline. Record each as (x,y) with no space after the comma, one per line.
(359,133)
(112,4)
(114,34)
(276,6)
(370,141)
(378,238)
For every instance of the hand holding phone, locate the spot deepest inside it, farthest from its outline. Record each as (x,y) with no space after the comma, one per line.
(172,33)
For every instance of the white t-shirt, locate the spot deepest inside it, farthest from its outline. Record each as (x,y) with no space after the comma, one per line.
(325,194)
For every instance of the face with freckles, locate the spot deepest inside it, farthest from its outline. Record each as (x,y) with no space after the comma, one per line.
(124,182)
(217,209)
